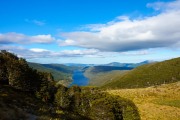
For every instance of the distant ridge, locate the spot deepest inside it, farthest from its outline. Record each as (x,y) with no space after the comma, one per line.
(115,64)
(132,65)
(77,64)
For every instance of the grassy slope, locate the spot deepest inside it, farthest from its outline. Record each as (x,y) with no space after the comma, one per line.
(149,75)
(155,103)
(97,69)
(101,78)
(99,75)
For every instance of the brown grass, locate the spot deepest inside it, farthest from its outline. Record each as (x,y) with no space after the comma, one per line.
(155,103)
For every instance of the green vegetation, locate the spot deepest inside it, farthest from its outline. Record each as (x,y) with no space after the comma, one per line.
(61,68)
(98,69)
(26,93)
(130,65)
(174,103)
(101,78)
(95,104)
(19,105)
(149,75)
(100,75)
(16,73)
(59,75)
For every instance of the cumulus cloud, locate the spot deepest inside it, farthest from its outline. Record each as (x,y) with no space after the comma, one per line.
(44,53)
(85,52)
(123,34)
(13,37)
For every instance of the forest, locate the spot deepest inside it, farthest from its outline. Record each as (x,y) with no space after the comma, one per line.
(27,93)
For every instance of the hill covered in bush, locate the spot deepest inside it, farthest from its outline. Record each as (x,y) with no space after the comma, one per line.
(149,75)
(99,75)
(15,72)
(98,69)
(102,78)
(59,75)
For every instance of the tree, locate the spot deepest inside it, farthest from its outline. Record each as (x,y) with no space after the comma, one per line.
(16,72)
(62,98)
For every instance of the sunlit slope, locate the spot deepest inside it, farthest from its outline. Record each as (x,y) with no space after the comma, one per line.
(58,74)
(154,103)
(149,75)
(100,75)
(99,79)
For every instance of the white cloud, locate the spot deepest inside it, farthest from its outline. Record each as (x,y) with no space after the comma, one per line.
(165,6)
(123,34)
(36,22)
(141,52)
(44,53)
(79,52)
(38,50)
(98,27)
(13,37)
(41,39)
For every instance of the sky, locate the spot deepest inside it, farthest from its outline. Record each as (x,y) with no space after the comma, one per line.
(90,31)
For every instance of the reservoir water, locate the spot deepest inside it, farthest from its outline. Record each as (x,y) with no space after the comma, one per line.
(79,78)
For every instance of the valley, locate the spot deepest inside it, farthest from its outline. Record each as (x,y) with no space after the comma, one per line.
(26,93)
(79,79)
(90,60)
(147,92)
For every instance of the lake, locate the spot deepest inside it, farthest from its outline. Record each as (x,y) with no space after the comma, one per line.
(79,79)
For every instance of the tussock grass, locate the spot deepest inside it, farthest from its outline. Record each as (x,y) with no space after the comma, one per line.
(154,103)
(174,103)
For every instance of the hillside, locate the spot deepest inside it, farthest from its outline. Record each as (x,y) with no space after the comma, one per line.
(149,75)
(98,69)
(131,65)
(99,75)
(101,78)
(60,72)
(154,103)
(77,65)
(103,74)
(62,68)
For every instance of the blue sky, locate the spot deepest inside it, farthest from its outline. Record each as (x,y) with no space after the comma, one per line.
(90,31)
